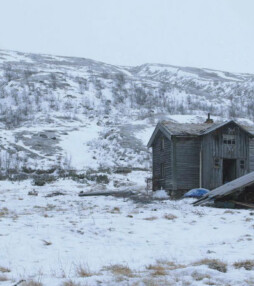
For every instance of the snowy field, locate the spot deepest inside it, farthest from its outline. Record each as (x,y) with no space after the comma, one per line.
(71,240)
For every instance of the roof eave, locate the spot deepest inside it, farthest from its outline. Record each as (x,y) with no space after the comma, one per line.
(159,127)
(225,123)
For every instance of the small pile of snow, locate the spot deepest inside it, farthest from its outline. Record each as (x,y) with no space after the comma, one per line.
(161,194)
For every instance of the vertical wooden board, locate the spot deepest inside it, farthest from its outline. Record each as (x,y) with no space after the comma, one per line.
(173,164)
(159,157)
(251,157)
(187,162)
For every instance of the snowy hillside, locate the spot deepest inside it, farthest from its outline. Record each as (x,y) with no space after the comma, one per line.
(62,113)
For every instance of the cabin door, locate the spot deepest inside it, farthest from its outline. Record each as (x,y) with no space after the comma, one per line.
(229,170)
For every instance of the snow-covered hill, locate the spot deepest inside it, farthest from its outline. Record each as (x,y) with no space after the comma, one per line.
(73,113)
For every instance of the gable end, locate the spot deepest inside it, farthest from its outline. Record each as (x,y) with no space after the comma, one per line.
(158,128)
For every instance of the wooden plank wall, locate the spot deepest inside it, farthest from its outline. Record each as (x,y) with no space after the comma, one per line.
(251,157)
(213,147)
(162,156)
(187,154)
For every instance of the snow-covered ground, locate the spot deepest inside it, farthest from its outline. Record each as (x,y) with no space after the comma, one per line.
(117,241)
(76,146)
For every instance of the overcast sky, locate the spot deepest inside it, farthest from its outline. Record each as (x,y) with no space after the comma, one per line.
(216,34)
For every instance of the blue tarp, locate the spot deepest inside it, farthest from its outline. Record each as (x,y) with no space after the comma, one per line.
(196,193)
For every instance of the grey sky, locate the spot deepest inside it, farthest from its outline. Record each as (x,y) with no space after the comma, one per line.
(217,34)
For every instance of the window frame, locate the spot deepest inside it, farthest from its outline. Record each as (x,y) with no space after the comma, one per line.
(242,164)
(228,139)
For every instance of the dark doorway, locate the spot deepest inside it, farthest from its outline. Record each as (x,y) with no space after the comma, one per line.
(229,170)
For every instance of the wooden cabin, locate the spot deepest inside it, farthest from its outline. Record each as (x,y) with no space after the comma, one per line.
(206,155)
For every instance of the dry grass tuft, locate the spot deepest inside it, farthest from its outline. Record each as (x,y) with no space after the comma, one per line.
(170,216)
(3,278)
(115,210)
(84,271)
(31,283)
(246,264)
(151,218)
(4,212)
(156,282)
(4,269)
(119,269)
(213,264)
(170,265)
(157,270)
(70,283)
(200,276)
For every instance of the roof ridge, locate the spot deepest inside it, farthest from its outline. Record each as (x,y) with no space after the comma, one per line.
(196,129)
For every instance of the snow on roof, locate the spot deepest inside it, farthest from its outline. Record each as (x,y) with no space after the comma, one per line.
(185,128)
(228,188)
(197,129)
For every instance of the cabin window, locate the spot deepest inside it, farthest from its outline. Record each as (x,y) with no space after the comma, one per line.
(162,170)
(162,143)
(216,163)
(228,139)
(242,164)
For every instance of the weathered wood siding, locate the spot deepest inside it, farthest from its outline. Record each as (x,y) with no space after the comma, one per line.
(214,148)
(159,157)
(186,166)
(251,155)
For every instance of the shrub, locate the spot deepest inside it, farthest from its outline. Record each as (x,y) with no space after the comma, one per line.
(42,180)
(99,179)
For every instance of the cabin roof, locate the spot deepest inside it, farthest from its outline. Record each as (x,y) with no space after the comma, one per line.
(228,188)
(170,128)
(199,129)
